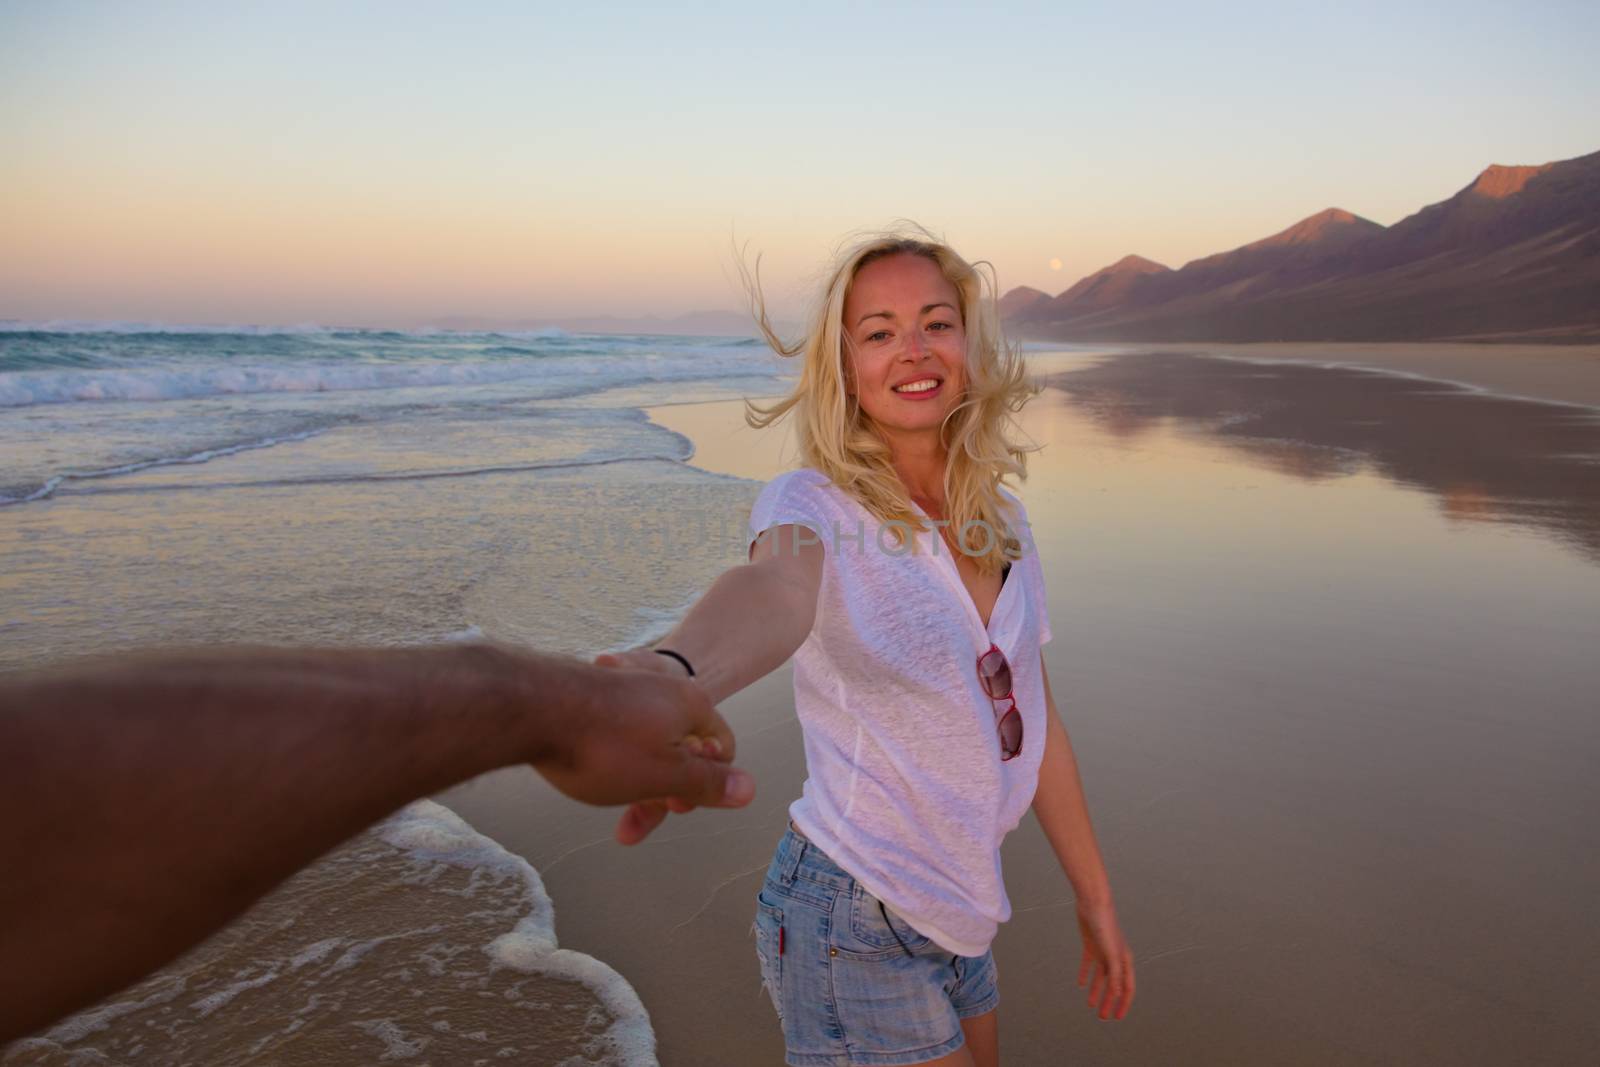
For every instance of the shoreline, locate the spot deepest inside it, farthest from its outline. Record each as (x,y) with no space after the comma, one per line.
(1552,374)
(1154,671)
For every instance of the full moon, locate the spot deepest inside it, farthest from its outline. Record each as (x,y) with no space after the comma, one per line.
(1055,264)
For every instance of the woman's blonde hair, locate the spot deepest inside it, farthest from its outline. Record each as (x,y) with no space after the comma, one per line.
(839,439)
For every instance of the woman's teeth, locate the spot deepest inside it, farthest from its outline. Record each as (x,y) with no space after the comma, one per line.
(917,387)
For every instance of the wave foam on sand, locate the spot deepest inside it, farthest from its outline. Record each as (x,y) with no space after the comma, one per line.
(392,947)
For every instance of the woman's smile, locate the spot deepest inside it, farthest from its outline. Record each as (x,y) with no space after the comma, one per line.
(921,388)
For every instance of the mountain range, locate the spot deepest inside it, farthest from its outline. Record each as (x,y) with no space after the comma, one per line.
(1514,256)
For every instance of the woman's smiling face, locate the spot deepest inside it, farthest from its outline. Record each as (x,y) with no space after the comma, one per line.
(906,346)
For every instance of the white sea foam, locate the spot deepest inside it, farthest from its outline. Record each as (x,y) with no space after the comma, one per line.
(316,952)
(559,373)
(431,833)
(396,1045)
(629,1040)
(91,326)
(29,387)
(220,999)
(203,456)
(89,1022)
(424,848)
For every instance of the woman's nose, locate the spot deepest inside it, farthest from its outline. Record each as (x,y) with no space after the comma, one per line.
(916,346)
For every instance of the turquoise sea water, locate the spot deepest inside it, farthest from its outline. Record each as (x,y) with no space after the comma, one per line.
(346,486)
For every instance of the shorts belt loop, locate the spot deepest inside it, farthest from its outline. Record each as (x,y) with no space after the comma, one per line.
(793,854)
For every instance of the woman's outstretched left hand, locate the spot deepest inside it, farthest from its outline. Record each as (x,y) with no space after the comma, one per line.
(1107,967)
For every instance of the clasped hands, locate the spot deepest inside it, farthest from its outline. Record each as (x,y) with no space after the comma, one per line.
(651,739)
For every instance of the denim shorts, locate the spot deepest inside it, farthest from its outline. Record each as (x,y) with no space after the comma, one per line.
(854,985)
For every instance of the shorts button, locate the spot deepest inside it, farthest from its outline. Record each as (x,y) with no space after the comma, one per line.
(833,952)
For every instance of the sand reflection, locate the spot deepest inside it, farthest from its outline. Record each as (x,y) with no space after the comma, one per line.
(1485,458)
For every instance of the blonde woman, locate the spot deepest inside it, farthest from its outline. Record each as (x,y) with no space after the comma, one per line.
(898,574)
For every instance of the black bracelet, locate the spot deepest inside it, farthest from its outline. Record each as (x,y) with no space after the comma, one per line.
(676,656)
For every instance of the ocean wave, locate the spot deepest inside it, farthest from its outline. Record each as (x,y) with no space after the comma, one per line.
(59,327)
(292,980)
(52,484)
(542,333)
(431,833)
(600,460)
(63,370)
(26,388)
(56,326)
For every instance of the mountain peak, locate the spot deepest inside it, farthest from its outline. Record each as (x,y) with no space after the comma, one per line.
(1497,182)
(1329,216)
(1137,264)
(1327,223)
(1019,298)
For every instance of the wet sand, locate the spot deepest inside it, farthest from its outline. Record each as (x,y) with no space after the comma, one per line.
(1484,456)
(415,940)
(1325,647)
(1562,373)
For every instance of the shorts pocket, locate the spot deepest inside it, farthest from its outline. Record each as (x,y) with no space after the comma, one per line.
(769,948)
(878,929)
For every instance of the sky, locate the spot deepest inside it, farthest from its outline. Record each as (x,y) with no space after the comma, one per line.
(395,164)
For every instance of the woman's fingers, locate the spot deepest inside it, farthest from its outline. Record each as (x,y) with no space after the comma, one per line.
(1127,987)
(638,820)
(1110,981)
(1107,962)
(1116,983)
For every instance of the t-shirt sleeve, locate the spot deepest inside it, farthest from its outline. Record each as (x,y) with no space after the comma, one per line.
(1033,572)
(789,499)
(1039,596)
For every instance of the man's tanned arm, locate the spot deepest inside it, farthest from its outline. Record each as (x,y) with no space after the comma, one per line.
(150,799)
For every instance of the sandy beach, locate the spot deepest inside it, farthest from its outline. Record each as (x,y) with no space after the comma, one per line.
(1324,646)
(1568,374)
(1333,723)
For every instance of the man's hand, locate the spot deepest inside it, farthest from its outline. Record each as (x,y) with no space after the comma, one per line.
(651,736)
(155,796)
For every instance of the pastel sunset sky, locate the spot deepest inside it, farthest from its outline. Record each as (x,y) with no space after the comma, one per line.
(392,164)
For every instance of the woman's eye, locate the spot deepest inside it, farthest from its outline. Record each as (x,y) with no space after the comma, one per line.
(877,335)
(939,326)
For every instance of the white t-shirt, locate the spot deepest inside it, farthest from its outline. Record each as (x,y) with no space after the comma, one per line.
(906,789)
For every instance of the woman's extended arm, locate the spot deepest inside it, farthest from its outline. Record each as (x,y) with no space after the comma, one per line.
(750,621)
(746,626)
(1064,814)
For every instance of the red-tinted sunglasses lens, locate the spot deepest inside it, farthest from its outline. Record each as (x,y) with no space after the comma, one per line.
(994,674)
(1010,733)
